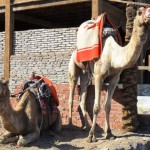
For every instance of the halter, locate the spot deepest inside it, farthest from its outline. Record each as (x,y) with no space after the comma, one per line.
(143,9)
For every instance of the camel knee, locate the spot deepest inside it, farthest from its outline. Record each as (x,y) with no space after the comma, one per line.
(72,78)
(96,109)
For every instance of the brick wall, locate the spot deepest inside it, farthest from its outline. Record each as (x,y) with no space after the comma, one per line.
(115,114)
(47,52)
(63,95)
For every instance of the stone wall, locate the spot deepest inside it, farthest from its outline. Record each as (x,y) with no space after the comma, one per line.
(45,51)
(2,45)
(44,40)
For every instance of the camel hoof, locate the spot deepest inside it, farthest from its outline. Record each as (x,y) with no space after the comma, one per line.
(91,139)
(110,136)
(94,139)
(20,143)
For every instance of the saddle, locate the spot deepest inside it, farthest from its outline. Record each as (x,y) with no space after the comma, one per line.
(44,94)
(90,35)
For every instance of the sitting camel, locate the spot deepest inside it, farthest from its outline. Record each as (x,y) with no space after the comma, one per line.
(113,60)
(24,122)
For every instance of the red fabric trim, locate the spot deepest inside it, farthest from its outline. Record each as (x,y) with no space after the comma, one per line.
(88,54)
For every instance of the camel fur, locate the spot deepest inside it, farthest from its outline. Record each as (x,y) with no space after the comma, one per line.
(24,123)
(113,61)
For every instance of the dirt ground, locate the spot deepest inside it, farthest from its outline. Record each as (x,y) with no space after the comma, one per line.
(76,140)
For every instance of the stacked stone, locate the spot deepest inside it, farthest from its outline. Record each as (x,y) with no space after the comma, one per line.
(2,42)
(44,40)
(52,65)
(45,51)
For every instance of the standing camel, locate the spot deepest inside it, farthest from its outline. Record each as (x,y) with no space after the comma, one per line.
(24,122)
(113,60)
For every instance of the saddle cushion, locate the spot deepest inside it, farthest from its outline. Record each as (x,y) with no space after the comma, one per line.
(89,37)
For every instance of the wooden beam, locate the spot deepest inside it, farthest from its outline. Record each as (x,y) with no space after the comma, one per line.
(18,6)
(144,68)
(95,8)
(129,2)
(2,2)
(47,4)
(33,20)
(9,24)
(25,1)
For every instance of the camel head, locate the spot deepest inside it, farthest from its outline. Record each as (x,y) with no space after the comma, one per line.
(4,95)
(143,16)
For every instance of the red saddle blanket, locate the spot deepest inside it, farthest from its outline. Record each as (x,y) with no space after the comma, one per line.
(89,38)
(51,86)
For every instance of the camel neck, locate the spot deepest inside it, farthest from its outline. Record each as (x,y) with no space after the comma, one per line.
(7,117)
(8,111)
(135,46)
(139,34)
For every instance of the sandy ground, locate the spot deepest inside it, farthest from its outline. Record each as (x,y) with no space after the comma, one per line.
(76,140)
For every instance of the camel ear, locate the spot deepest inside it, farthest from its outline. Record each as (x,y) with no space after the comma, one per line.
(139,12)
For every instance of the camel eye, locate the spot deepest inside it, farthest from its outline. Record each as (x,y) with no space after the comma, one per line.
(139,13)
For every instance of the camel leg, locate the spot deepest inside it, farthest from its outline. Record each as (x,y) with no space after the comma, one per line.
(29,138)
(56,128)
(8,137)
(57,125)
(96,109)
(112,85)
(83,95)
(73,78)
